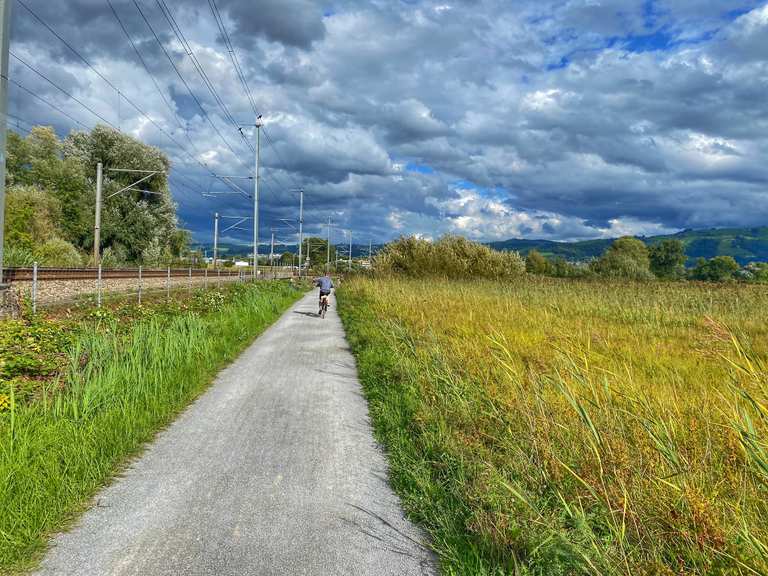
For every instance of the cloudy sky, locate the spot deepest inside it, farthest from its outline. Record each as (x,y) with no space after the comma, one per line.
(490,118)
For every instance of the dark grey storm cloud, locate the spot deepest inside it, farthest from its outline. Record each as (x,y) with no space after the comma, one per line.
(494,119)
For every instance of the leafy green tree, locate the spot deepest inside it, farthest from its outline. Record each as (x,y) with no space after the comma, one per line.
(317,250)
(667,259)
(37,161)
(536,263)
(627,258)
(286,258)
(133,222)
(717,269)
(31,217)
(756,272)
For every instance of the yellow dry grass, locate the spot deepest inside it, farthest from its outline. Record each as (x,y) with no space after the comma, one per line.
(601,428)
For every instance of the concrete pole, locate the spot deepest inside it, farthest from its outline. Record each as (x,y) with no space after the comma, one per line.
(98,282)
(139,284)
(34,288)
(370,262)
(301,226)
(5,37)
(272,254)
(328,256)
(349,261)
(168,284)
(97,217)
(256,201)
(215,239)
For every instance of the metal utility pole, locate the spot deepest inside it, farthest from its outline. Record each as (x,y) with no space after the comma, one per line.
(349,260)
(272,253)
(301,226)
(259,123)
(215,239)
(328,256)
(5,37)
(97,218)
(131,187)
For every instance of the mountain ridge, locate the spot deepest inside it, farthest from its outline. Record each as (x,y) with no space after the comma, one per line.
(743,244)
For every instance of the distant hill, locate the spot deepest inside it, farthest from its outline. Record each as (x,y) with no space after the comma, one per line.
(744,244)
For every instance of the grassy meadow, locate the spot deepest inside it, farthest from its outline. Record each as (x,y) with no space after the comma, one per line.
(544,426)
(80,396)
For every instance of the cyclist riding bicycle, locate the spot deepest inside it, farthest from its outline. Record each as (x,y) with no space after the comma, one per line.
(326,285)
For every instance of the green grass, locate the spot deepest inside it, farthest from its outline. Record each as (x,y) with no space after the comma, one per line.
(572,427)
(119,387)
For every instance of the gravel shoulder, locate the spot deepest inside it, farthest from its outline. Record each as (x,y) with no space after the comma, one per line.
(273,471)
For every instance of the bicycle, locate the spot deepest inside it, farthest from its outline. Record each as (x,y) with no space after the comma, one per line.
(323,305)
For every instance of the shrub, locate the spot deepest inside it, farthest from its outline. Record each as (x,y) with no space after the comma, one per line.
(561,268)
(31,215)
(667,259)
(58,252)
(755,272)
(536,263)
(14,256)
(450,257)
(627,258)
(717,269)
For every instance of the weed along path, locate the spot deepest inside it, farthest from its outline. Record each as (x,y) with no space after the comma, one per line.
(274,470)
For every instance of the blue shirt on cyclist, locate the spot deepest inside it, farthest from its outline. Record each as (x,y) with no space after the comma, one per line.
(325,284)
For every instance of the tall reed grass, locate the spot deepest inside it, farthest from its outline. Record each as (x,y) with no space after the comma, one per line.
(572,427)
(119,389)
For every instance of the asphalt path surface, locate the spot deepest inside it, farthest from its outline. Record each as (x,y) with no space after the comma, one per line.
(274,470)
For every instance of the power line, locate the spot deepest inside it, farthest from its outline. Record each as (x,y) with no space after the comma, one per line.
(200,69)
(280,157)
(232,54)
(109,83)
(185,83)
(144,64)
(241,76)
(44,101)
(52,83)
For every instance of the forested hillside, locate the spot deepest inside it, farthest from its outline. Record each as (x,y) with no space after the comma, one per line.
(743,244)
(51,193)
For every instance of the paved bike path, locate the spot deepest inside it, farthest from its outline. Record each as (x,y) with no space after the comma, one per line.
(273,470)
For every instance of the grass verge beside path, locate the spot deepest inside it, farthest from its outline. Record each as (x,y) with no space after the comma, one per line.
(121,385)
(564,428)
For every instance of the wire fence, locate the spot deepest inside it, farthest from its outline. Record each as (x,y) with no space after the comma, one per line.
(47,287)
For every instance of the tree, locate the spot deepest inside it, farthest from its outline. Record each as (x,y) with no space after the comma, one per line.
(316,250)
(287,258)
(627,258)
(450,257)
(667,259)
(717,269)
(31,217)
(134,224)
(536,263)
(756,272)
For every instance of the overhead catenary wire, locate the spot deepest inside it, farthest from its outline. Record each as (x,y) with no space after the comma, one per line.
(111,85)
(185,83)
(45,101)
(244,83)
(65,92)
(146,68)
(200,69)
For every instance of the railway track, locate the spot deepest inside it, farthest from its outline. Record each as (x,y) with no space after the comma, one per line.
(11,275)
